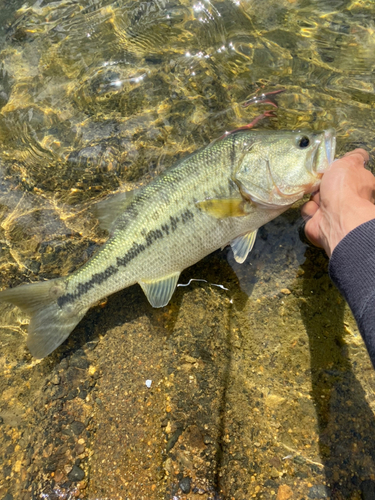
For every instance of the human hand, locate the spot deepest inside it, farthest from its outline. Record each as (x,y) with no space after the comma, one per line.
(345,200)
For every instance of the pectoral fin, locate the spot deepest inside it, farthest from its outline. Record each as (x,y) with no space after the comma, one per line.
(242,246)
(159,292)
(222,208)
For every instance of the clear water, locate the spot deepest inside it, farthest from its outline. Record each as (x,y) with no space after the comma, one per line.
(260,389)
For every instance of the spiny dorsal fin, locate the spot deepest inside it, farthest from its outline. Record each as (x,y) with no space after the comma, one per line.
(242,246)
(159,292)
(107,210)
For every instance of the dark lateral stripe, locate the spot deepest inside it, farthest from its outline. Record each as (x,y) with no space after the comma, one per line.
(135,250)
(99,278)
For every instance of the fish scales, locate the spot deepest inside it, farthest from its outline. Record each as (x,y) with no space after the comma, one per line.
(166,215)
(219,195)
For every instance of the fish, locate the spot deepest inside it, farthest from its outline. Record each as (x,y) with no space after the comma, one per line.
(219,195)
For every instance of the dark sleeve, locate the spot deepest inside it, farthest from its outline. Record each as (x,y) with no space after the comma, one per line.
(352,270)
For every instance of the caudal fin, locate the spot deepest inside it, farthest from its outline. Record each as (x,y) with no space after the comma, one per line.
(50,324)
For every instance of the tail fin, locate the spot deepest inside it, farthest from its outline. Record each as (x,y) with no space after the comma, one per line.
(50,324)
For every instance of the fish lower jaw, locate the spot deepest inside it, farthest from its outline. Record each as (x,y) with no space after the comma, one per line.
(314,187)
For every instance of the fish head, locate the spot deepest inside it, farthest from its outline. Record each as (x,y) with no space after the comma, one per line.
(276,168)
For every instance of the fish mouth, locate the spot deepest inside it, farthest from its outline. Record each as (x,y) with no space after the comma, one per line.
(329,138)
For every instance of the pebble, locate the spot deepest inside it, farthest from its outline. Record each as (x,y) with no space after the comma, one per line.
(79,449)
(185,484)
(274,473)
(76,474)
(319,491)
(299,460)
(58,476)
(67,468)
(200,491)
(64,364)
(77,427)
(50,467)
(284,492)
(270,483)
(55,379)
(82,394)
(72,394)
(276,462)
(79,360)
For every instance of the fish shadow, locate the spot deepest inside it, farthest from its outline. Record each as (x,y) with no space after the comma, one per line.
(130,304)
(345,420)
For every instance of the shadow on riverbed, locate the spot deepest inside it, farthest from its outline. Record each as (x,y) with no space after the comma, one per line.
(346,422)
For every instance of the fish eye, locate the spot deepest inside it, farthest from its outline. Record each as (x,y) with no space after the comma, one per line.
(303,142)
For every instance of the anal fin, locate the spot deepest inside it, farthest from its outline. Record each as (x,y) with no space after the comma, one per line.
(242,246)
(159,292)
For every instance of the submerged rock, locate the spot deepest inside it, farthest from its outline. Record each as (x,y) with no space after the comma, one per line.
(76,474)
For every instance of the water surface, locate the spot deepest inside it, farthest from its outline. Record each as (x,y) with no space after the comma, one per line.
(261,388)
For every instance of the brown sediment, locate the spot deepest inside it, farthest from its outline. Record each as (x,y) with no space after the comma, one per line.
(263,390)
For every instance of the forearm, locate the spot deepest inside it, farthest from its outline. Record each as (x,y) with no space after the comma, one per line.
(352,269)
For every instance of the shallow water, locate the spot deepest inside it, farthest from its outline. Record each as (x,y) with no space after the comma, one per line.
(260,389)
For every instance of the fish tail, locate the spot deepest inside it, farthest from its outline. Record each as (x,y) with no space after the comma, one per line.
(50,324)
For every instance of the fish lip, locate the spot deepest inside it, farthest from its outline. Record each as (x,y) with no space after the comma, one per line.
(329,138)
(330,144)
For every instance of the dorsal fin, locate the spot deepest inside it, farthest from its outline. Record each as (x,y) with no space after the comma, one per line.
(107,210)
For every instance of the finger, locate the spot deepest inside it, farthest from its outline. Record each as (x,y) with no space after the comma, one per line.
(356,153)
(354,159)
(316,197)
(309,209)
(311,233)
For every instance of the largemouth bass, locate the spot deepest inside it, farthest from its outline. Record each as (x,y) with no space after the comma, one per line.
(217,196)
